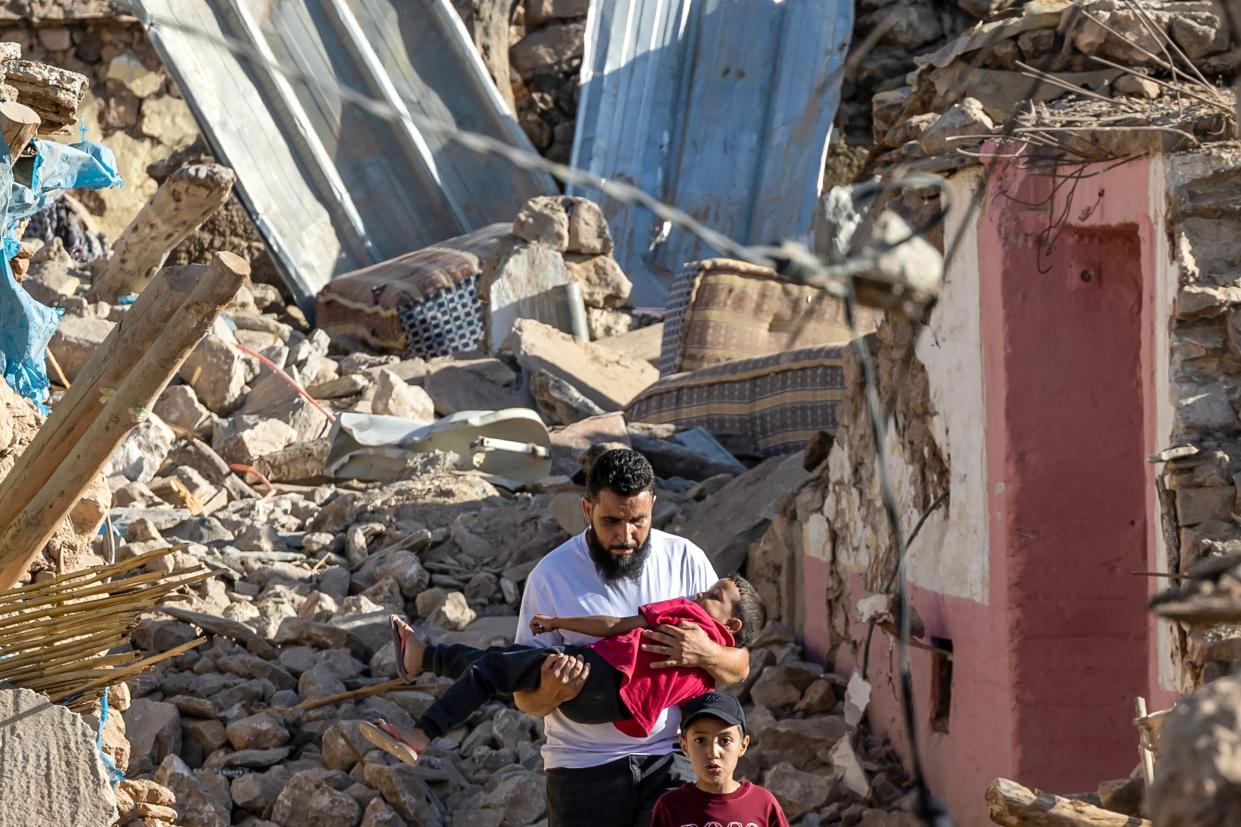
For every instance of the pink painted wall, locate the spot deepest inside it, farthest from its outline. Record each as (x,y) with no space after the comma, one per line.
(1045,671)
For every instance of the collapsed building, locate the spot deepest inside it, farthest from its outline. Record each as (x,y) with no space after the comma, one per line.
(1059,435)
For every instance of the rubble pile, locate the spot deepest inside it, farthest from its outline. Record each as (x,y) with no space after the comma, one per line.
(230,466)
(570,234)
(1139,75)
(233,730)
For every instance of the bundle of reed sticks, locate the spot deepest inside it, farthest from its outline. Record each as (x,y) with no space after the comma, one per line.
(66,637)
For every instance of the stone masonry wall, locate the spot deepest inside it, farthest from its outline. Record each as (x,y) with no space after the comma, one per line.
(1199,491)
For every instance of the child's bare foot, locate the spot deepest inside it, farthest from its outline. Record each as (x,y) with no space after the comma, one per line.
(406,746)
(410,649)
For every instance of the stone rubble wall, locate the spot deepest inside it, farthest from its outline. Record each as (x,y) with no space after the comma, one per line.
(916,27)
(1199,492)
(838,515)
(133,107)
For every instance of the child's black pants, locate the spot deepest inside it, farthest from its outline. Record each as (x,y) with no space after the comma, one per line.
(499,671)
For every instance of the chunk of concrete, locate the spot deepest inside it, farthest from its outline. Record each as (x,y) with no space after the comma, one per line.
(558,402)
(588,228)
(602,280)
(261,731)
(452,612)
(728,523)
(396,397)
(957,127)
(484,384)
(52,771)
(519,281)
(245,438)
(308,801)
(179,407)
(197,805)
(75,340)
(141,455)
(1198,766)
(609,379)
(544,220)
(154,731)
(51,280)
(218,372)
(602,323)
(800,792)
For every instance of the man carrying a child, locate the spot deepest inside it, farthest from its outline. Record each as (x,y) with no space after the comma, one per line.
(596,774)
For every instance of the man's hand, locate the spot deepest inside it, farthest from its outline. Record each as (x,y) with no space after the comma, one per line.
(540,624)
(560,679)
(686,644)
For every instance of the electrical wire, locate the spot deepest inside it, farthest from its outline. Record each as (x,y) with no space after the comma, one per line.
(792,258)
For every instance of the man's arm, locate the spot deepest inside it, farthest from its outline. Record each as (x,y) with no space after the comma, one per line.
(686,644)
(561,677)
(593,625)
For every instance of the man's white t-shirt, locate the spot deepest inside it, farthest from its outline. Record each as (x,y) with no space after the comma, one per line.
(566,583)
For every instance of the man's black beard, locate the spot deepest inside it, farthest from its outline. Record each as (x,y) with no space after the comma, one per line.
(612,568)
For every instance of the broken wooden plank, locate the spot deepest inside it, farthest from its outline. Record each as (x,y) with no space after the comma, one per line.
(48,504)
(182,203)
(1012,805)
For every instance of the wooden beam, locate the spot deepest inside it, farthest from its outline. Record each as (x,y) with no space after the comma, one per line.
(102,374)
(18,123)
(1013,805)
(124,408)
(182,203)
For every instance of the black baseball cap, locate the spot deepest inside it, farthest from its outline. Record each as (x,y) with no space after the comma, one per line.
(717,705)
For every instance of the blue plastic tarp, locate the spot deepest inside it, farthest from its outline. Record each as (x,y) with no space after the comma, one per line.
(26,326)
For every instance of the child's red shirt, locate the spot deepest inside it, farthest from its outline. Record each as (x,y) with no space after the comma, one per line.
(647,691)
(750,805)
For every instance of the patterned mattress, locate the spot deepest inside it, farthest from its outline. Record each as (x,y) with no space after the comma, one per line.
(423,303)
(758,407)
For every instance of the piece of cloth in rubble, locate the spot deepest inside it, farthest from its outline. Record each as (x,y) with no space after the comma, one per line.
(645,690)
(26,326)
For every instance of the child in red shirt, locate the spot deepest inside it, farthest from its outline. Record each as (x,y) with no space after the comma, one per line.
(622,687)
(713,737)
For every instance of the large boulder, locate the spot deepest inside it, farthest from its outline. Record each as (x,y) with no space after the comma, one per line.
(609,379)
(154,732)
(308,801)
(52,772)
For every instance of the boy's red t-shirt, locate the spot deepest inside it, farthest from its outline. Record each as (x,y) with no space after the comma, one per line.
(646,691)
(749,805)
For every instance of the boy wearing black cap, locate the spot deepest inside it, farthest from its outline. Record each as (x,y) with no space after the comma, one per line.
(713,737)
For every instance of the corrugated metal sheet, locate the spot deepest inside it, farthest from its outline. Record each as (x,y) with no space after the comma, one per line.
(721,107)
(333,188)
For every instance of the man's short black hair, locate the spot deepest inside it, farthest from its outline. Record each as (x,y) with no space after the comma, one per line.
(749,609)
(622,471)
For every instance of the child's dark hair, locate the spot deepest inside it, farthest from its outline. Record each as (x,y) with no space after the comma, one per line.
(749,609)
(622,471)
